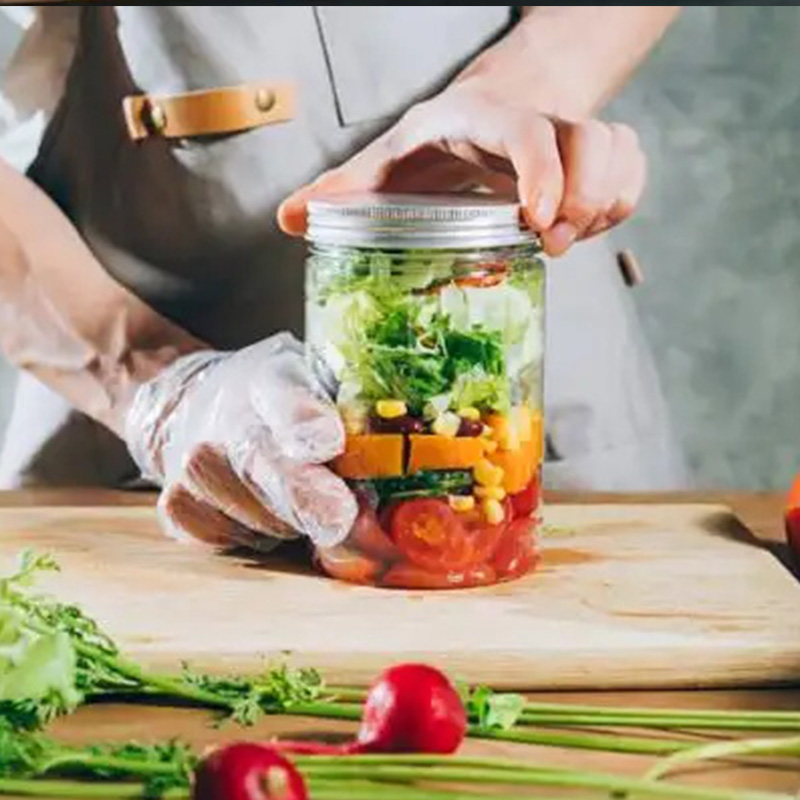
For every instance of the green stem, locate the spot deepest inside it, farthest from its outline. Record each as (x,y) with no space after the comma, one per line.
(79,790)
(416,760)
(574,715)
(631,721)
(526,777)
(583,741)
(671,713)
(324,710)
(98,763)
(173,687)
(358,790)
(609,743)
(788,746)
(346,694)
(334,790)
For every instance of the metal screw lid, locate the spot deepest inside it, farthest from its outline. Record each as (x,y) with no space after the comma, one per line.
(423,221)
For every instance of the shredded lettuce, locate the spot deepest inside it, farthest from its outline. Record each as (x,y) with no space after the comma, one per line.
(394,326)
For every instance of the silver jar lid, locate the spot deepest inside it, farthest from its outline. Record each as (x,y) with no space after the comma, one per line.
(399,221)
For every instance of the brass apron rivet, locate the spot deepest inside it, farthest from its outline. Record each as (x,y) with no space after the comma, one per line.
(265,99)
(154,117)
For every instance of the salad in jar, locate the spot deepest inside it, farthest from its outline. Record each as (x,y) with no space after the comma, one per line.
(434,354)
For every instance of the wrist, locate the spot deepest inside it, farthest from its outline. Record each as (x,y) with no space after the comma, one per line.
(528,83)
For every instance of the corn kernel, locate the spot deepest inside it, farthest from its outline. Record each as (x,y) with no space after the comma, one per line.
(487,474)
(489,445)
(490,492)
(493,511)
(391,409)
(469,412)
(446,424)
(461,502)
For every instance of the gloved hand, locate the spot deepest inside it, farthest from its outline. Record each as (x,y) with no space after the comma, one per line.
(238,441)
(573,179)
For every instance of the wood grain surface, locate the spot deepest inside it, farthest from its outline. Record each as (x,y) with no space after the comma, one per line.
(628,596)
(760,512)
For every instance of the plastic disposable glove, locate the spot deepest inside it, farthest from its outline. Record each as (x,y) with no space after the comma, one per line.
(238,441)
(574,179)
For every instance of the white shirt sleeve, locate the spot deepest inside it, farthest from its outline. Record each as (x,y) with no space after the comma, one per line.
(38,45)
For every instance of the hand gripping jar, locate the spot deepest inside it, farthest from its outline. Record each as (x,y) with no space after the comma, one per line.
(425,321)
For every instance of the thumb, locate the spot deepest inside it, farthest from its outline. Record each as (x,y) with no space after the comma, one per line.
(364,172)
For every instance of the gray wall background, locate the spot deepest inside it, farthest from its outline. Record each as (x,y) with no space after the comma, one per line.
(718,108)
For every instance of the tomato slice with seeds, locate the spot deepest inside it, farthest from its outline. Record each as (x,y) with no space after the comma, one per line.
(430,535)
(483,537)
(348,565)
(516,553)
(410,576)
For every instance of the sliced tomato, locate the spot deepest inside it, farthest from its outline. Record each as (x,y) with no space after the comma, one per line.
(348,565)
(430,534)
(516,553)
(483,538)
(369,537)
(524,503)
(792,517)
(410,576)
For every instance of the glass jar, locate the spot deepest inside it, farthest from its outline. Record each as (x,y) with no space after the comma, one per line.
(425,320)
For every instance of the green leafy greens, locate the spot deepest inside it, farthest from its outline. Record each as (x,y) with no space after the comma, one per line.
(53,657)
(402,329)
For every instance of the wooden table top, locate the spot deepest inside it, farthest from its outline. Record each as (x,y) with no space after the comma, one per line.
(760,512)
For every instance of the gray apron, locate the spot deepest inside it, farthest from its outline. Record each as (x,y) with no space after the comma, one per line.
(189,226)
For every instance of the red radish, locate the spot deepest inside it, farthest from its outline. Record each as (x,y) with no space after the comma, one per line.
(412,708)
(247,771)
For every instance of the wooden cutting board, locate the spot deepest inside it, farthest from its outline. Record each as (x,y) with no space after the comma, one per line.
(627,597)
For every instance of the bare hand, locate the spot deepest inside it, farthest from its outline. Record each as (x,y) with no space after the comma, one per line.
(573,179)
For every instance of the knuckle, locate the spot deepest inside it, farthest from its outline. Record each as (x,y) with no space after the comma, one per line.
(621,210)
(411,126)
(581,207)
(200,456)
(625,134)
(593,131)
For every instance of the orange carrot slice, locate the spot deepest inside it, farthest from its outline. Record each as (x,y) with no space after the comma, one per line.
(371,455)
(443,452)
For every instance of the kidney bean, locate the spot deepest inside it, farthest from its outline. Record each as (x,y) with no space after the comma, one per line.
(470,427)
(404,424)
